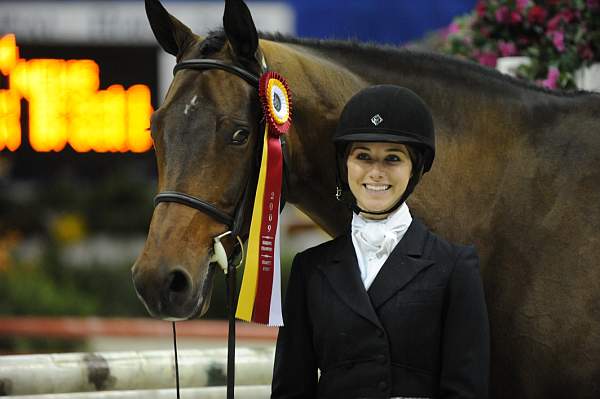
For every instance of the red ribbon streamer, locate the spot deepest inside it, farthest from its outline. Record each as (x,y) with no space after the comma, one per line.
(268,230)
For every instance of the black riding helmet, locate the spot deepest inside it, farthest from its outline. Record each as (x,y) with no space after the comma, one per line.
(385,113)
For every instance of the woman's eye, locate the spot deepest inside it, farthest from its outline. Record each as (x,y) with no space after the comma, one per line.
(240,137)
(363,156)
(392,158)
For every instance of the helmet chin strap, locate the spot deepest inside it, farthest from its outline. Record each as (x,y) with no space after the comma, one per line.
(356,209)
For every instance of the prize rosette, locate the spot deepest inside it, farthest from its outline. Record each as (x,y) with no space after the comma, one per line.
(260,294)
(276,101)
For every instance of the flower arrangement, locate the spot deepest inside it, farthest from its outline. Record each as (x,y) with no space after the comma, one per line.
(559,37)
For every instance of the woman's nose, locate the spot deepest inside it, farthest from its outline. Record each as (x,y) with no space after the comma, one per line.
(376,171)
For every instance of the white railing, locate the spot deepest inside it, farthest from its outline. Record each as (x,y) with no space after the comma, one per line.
(150,374)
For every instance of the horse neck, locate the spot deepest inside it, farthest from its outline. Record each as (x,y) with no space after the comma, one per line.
(466,102)
(319,91)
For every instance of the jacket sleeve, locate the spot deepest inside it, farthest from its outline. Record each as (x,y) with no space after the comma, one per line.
(295,369)
(465,340)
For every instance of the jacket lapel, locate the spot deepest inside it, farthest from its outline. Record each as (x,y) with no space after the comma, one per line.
(403,264)
(342,272)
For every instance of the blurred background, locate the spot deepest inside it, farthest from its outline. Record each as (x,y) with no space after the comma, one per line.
(78,82)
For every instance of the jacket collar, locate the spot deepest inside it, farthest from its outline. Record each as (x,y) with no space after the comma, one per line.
(403,264)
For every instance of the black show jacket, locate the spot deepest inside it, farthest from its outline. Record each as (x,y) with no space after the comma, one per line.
(421,330)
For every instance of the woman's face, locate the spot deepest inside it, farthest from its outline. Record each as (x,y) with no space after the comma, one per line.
(378,174)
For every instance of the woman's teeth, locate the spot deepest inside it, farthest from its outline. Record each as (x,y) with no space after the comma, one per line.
(378,187)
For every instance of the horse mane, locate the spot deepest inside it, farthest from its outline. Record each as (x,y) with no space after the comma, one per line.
(216,39)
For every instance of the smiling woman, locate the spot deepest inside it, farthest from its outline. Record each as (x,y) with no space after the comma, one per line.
(388,308)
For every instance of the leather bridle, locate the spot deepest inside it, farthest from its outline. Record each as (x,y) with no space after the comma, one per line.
(233,222)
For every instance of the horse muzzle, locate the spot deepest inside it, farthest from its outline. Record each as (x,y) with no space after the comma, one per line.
(172,293)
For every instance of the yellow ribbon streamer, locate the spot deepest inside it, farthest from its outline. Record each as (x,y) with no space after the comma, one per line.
(245,305)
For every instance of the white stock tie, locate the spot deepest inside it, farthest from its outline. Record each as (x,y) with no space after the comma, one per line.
(374,240)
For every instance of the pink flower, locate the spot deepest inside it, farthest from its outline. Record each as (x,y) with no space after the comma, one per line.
(487,58)
(558,39)
(502,14)
(522,4)
(554,22)
(507,48)
(453,28)
(551,81)
(506,16)
(565,16)
(450,29)
(515,17)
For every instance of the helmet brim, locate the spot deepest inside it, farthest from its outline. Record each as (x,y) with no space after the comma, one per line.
(371,137)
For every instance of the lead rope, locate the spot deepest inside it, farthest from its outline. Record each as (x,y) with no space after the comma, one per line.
(231,285)
(176,361)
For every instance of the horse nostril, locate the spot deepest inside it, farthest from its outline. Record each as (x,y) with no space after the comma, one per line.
(179,281)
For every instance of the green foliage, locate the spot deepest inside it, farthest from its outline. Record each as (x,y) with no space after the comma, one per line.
(30,290)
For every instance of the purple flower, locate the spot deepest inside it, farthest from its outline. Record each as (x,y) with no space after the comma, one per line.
(558,39)
(507,48)
(551,81)
(593,4)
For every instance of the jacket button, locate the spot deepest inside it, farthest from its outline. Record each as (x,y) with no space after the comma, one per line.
(383,386)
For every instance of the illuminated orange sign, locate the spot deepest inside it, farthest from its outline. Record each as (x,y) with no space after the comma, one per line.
(67,107)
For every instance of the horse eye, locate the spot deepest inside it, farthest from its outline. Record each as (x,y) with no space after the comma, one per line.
(240,137)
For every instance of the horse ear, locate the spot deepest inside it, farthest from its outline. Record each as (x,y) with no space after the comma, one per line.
(171,34)
(240,29)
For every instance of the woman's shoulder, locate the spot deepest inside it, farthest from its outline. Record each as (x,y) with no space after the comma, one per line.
(440,247)
(323,250)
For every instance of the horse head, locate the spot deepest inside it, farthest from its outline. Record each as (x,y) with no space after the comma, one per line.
(205,138)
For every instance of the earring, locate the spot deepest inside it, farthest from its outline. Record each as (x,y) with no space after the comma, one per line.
(338,193)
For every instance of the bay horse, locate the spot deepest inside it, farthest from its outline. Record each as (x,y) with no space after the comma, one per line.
(517,173)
